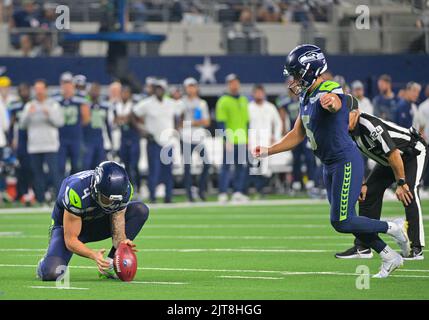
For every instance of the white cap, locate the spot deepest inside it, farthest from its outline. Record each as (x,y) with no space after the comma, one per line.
(161,83)
(66,77)
(357,85)
(190,82)
(149,81)
(230,77)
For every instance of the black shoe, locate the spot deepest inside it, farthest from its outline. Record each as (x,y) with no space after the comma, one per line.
(415,254)
(355,252)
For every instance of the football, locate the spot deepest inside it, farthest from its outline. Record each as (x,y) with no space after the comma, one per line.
(125,263)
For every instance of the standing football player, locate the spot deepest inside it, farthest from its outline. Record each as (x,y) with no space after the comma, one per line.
(324,119)
(77,113)
(18,137)
(91,206)
(97,131)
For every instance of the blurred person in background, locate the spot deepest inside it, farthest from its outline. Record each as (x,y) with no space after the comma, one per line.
(76,113)
(196,118)
(80,83)
(406,112)
(269,11)
(232,117)
(358,91)
(148,87)
(6,9)
(42,117)
(288,107)
(48,16)
(26,46)
(6,96)
(4,127)
(157,114)
(424,130)
(342,81)
(385,102)
(129,151)
(176,93)
(266,128)
(96,130)
(114,99)
(26,17)
(18,142)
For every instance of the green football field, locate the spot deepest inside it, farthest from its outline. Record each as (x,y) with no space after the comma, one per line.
(258,251)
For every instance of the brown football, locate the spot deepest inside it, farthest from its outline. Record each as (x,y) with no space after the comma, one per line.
(125,263)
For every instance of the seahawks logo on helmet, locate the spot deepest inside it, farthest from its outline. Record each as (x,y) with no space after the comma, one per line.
(310,56)
(98,172)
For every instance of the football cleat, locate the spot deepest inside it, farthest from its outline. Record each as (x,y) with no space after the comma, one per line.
(239,197)
(355,252)
(398,230)
(389,265)
(415,254)
(109,273)
(223,198)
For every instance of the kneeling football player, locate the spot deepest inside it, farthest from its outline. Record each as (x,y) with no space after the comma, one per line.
(91,206)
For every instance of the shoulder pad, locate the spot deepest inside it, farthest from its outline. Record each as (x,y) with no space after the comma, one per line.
(79,99)
(56,97)
(15,105)
(330,86)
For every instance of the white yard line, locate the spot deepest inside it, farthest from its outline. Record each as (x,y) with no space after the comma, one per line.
(57,288)
(185,250)
(278,272)
(249,277)
(154,237)
(10,233)
(238,250)
(159,282)
(211,204)
(238,226)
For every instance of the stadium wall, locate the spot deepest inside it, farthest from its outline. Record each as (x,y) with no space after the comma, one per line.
(251,69)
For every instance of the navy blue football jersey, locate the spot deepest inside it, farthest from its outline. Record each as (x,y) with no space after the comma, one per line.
(75,197)
(16,108)
(93,132)
(327,132)
(72,128)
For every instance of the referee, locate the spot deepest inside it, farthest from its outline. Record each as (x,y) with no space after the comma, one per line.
(401,155)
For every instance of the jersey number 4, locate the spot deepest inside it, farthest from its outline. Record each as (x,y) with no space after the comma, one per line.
(310,134)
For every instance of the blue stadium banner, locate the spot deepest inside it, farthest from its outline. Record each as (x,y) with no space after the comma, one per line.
(213,69)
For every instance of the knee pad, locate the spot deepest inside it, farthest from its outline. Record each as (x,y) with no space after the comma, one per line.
(51,268)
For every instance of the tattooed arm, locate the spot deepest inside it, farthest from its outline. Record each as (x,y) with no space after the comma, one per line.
(118,228)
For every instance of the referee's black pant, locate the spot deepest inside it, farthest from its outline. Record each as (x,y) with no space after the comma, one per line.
(381,178)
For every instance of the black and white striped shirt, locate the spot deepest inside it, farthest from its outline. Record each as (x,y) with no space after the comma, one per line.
(377,138)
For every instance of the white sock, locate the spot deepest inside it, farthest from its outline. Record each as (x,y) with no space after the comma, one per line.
(392,227)
(387,253)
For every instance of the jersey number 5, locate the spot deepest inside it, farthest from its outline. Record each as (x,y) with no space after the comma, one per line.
(310,135)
